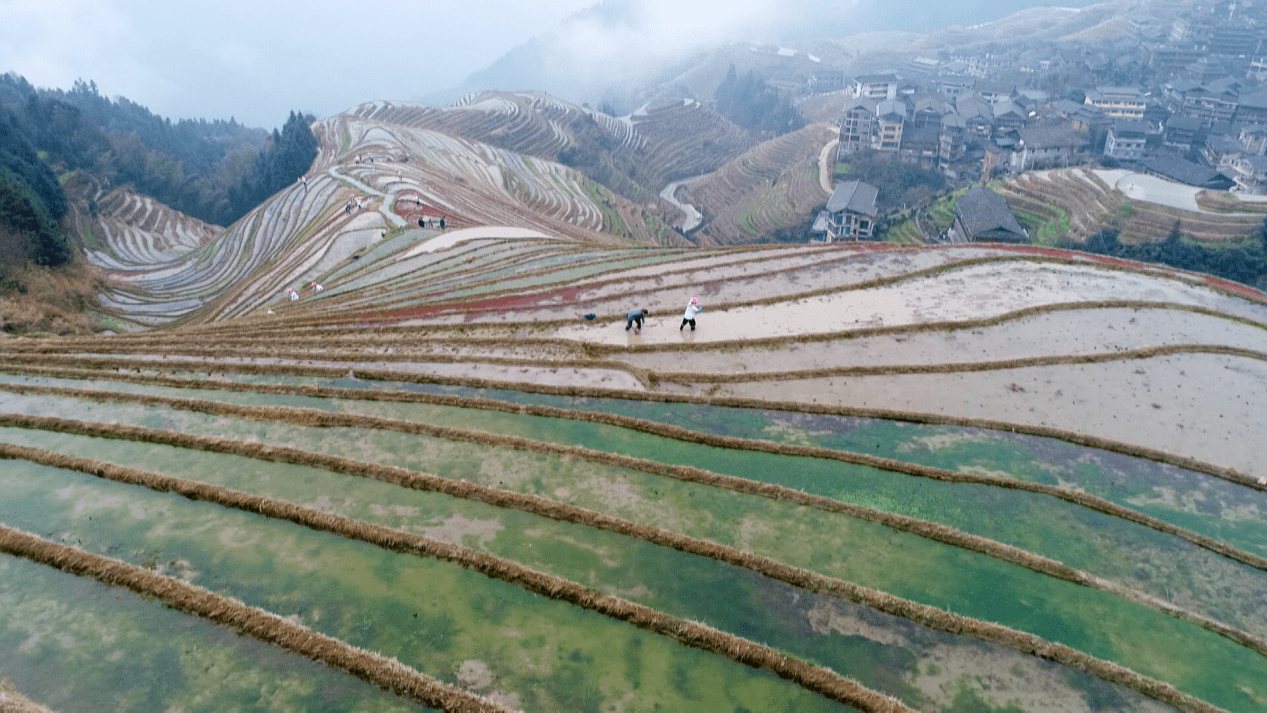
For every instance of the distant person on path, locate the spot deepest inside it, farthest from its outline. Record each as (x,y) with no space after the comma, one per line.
(692,309)
(441,222)
(637,316)
(294,296)
(316,287)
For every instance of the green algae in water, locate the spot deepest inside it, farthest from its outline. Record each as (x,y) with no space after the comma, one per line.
(74,644)
(1104,545)
(984,588)
(416,610)
(738,600)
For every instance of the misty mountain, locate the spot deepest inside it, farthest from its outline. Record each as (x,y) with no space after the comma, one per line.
(607,51)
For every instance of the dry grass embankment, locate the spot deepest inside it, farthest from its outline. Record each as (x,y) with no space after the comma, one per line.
(13,702)
(920,613)
(313,418)
(813,678)
(115,368)
(42,301)
(250,621)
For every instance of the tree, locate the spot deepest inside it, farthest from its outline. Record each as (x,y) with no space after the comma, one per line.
(751,103)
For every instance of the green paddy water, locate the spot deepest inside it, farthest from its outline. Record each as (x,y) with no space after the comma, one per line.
(430,615)
(978,586)
(76,645)
(738,601)
(1101,544)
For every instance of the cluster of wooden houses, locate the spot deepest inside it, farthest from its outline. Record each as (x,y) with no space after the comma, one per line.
(1196,112)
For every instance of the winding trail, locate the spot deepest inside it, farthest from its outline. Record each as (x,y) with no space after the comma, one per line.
(693,216)
(389,199)
(824,160)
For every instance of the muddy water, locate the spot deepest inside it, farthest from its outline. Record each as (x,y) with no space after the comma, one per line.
(1204,406)
(972,292)
(1075,332)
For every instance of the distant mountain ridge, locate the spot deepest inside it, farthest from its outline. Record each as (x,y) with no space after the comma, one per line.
(596,54)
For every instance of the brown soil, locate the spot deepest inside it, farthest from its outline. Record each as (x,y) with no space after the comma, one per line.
(43,301)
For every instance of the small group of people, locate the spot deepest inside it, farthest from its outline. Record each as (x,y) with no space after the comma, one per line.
(633,320)
(294,296)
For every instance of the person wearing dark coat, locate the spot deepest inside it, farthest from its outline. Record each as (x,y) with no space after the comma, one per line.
(637,316)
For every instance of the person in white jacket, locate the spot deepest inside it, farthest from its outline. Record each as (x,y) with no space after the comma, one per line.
(691,310)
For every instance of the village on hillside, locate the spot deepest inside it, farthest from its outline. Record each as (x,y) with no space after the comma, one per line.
(1181,98)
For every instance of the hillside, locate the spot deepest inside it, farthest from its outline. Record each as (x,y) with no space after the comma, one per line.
(970,477)
(390,442)
(635,155)
(371,182)
(773,185)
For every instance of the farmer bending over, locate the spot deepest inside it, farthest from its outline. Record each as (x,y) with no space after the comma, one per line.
(635,316)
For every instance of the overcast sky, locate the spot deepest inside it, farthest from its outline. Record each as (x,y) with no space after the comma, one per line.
(256,61)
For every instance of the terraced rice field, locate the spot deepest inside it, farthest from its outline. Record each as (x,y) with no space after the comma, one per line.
(1075,203)
(943,479)
(770,186)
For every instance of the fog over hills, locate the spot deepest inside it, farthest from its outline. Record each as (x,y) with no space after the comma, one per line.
(604,51)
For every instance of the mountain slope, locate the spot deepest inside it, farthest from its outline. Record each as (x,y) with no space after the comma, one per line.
(871,479)
(371,180)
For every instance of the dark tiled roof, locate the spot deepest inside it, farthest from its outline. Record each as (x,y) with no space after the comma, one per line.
(854,196)
(1130,128)
(984,212)
(1183,123)
(1256,99)
(1186,172)
(1049,137)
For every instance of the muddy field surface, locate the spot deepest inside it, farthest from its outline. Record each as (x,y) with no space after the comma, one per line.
(1205,406)
(1066,332)
(723,280)
(972,292)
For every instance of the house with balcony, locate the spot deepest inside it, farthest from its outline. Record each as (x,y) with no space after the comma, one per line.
(1118,102)
(851,211)
(856,126)
(875,86)
(890,119)
(1050,145)
(1250,174)
(1126,141)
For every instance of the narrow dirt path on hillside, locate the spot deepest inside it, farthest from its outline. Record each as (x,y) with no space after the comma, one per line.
(389,199)
(693,216)
(826,159)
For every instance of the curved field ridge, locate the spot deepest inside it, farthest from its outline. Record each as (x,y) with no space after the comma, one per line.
(929,530)
(925,615)
(308,417)
(817,679)
(246,620)
(969,477)
(13,702)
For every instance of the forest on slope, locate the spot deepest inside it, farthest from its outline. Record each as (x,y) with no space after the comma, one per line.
(215,171)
